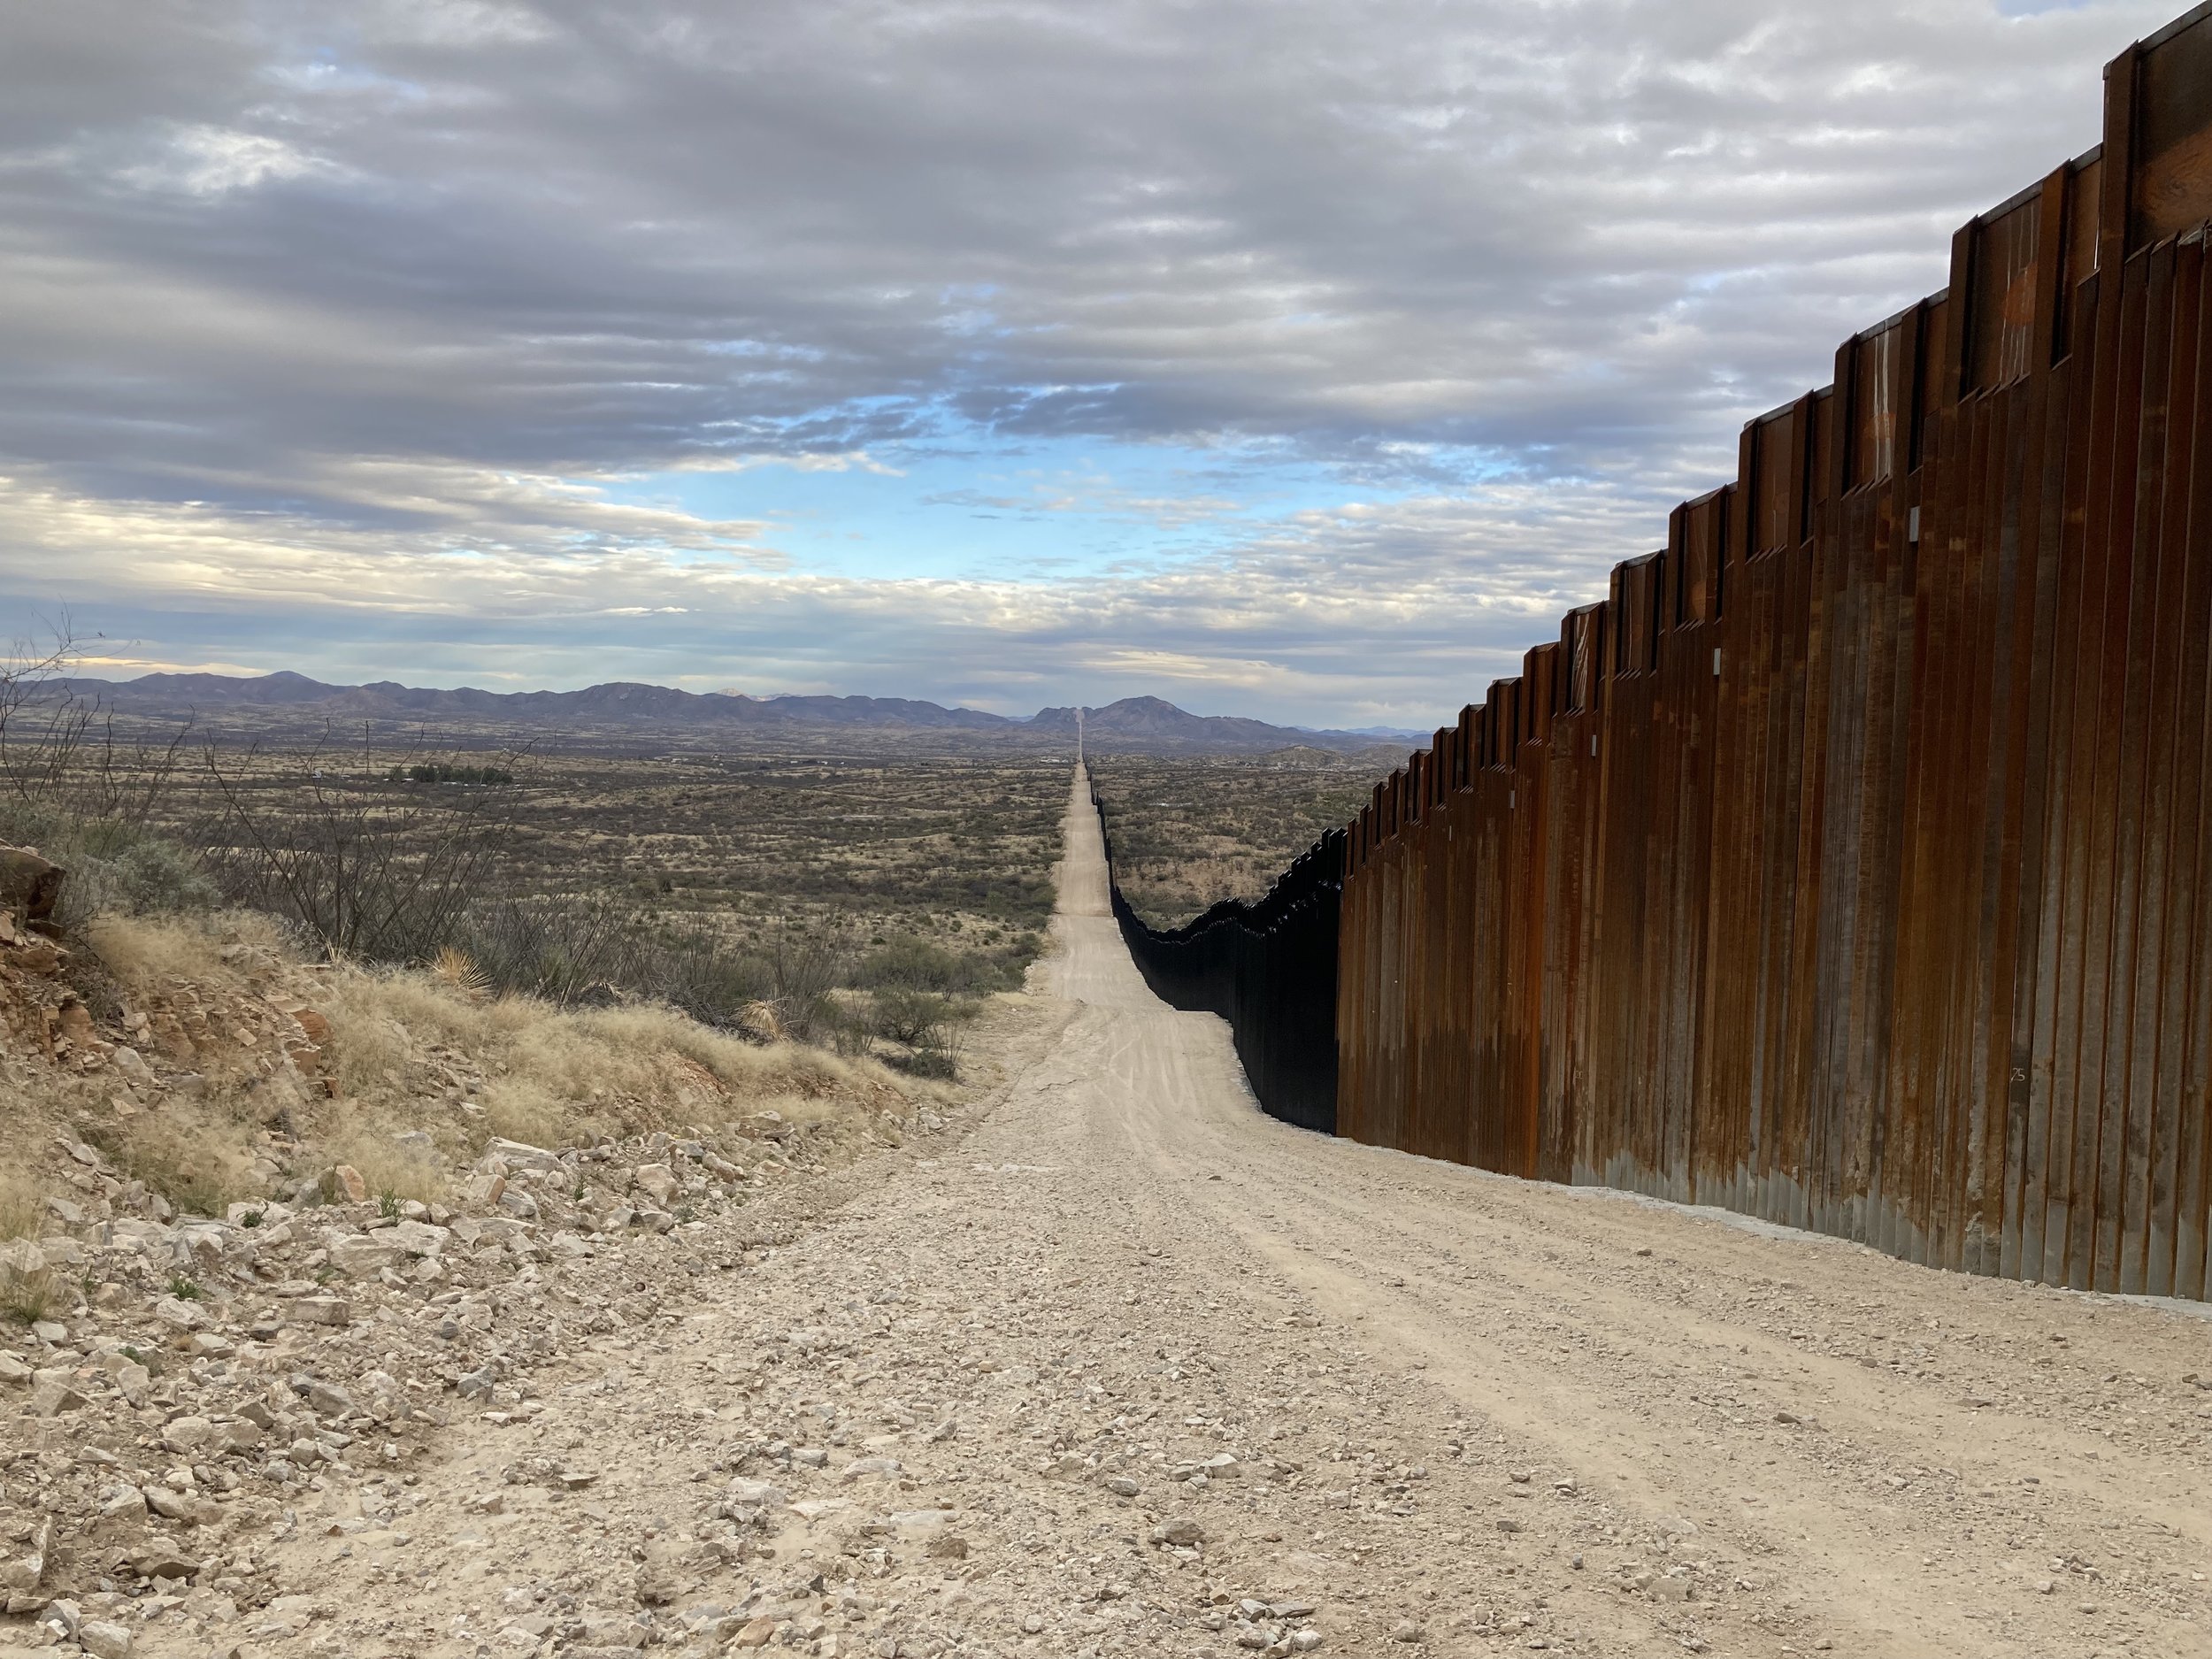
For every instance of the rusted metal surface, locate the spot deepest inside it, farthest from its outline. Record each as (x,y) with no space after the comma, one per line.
(1849,865)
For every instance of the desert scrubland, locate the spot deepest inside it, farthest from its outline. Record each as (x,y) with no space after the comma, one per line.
(387,1305)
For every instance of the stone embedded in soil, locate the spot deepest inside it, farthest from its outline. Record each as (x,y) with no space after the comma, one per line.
(53,1394)
(326,1310)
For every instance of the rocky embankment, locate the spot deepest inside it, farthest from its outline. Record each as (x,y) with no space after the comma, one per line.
(186,1398)
(190,1384)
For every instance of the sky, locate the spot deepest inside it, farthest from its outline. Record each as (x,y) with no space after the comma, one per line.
(1301,361)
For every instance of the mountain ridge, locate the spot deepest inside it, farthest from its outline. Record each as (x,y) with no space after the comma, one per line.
(1130,722)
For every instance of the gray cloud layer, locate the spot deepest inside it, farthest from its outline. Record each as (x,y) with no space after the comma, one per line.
(290,289)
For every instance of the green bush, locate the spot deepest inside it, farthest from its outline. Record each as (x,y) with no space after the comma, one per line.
(911,964)
(114,866)
(906,964)
(937,1054)
(905,1015)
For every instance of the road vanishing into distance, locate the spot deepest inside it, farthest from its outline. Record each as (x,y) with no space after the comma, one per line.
(1113,1364)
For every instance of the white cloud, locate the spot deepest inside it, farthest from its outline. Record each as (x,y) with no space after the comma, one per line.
(858,461)
(405,299)
(1356,615)
(213,160)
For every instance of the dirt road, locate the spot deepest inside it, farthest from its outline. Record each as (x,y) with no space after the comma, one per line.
(1122,1366)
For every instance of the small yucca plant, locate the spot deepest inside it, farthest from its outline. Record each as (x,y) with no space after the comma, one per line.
(458,971)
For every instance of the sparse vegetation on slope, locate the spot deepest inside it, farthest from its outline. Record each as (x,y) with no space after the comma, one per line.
(859,904)
(310,968)
(212,1066)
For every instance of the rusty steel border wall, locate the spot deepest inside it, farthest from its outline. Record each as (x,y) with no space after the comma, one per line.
(1268,968)
(1850,864)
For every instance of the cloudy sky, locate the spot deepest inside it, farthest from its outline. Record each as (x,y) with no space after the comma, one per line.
(1280,357)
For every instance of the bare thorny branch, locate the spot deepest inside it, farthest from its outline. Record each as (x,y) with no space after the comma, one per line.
(368,871)
(57,745)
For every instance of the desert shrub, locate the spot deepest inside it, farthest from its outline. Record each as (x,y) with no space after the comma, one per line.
(919,994)
(115,866)
(805,967)
(697,971)
(935,1053)
(123,869)
(365,871)
(83,794)
(1005,966)
(553,948)
(903,1014)
(925,1023)
(602,950)
(909,964)
(570,1074)
(853,1035)
(555,1076)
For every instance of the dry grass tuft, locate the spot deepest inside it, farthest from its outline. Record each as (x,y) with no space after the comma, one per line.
(195,1160)
(142,951)
(22,1211)
(390,1169)
(27,1298)
(555,1076)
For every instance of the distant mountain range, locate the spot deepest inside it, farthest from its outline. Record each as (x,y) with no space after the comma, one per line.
(1131,723)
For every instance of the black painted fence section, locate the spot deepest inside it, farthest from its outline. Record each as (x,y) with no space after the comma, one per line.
(1269,969)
